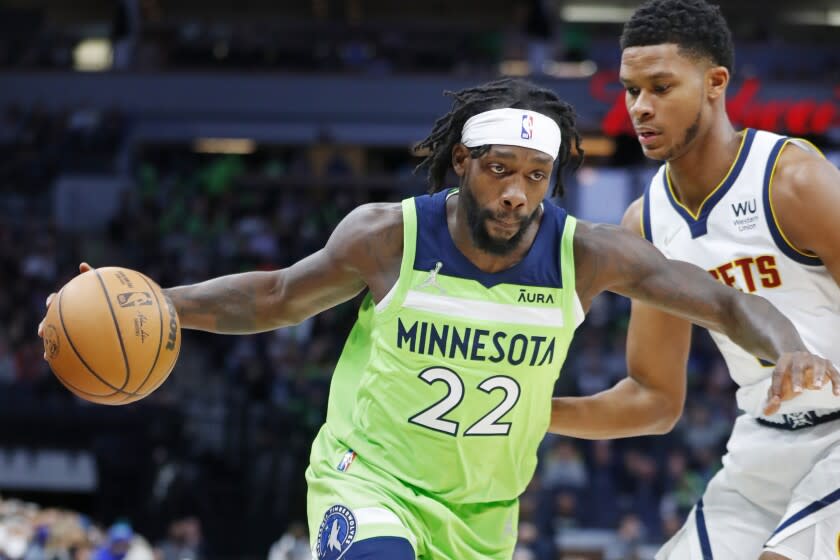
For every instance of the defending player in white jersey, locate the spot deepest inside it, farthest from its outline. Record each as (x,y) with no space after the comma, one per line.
(758,211)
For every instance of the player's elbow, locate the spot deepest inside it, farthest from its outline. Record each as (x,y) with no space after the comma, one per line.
(659,409)
(658,396)
(669,412)
(277,307)
(664,426)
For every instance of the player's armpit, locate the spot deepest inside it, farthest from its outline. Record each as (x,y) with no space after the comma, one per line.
(610,258)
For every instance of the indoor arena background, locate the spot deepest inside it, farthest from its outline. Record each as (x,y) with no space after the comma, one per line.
(189,139)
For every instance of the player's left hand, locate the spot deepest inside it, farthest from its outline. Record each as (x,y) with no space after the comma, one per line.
(796,372)
(83,267)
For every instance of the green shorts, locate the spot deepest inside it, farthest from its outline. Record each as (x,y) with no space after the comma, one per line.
(351,500)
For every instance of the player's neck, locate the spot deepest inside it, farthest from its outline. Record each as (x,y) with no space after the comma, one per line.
(698,172)
(459,229)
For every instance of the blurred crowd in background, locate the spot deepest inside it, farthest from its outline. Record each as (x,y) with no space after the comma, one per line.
(211,465)
(30,532)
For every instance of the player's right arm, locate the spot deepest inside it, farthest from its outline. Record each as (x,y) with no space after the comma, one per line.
(650,399)
(364,250)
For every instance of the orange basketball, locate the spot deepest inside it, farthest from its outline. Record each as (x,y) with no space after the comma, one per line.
(110,336)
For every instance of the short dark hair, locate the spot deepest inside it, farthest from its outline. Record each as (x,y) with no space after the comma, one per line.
(695,26)
(498,94)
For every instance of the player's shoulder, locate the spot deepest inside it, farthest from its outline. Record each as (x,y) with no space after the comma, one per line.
(374,229)
(373,219)
(594,240)
(632,219)
(800,172)
(804,191)
(596,235)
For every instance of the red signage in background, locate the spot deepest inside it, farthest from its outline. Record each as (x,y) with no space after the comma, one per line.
(802,117)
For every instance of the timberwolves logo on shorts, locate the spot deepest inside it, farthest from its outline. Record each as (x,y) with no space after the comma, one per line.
(338,529)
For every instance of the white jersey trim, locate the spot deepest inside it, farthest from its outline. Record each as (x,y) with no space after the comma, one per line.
(579,313)
(484,310)
(383,303)
(376,516)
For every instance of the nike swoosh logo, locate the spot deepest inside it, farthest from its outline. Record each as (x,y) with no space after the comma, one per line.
(669,237)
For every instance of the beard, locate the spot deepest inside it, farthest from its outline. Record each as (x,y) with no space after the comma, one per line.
(689,135)
(477,218)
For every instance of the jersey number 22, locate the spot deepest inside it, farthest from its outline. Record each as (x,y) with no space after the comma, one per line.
(487,425)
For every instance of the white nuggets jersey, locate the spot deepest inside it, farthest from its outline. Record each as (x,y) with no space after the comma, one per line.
(736,237)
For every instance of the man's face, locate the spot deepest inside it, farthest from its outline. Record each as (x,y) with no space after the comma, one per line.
(501,192)
(665,97)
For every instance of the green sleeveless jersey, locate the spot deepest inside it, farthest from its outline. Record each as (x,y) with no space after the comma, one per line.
(447,382)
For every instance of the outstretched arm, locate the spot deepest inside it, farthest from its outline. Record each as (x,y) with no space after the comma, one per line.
(623,263)
(260,301)
(667,295)
(750,321)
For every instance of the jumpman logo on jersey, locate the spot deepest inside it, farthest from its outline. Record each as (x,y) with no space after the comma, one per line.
(669,236)
(333,542)
(431,281)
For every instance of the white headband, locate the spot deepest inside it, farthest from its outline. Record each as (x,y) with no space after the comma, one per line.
(512,127)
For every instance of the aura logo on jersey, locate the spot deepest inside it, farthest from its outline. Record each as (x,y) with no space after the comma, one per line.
(448,341)
(534,297)
(336,534)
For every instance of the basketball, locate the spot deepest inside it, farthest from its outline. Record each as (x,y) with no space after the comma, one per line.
(110,336)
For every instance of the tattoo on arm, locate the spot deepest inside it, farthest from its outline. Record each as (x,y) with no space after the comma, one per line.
(761,329)
(235,309)
(225,305)
(631,267)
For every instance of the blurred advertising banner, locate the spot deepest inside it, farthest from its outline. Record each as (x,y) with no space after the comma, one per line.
(296,108)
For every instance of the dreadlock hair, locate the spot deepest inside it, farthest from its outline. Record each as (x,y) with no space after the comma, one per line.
(696,27)
(498,94)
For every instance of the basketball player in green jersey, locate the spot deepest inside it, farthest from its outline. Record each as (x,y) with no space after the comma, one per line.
(443,390)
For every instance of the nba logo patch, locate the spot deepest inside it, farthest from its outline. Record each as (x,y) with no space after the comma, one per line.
(347,460)
(336,534)
(132,299)
(527,127)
